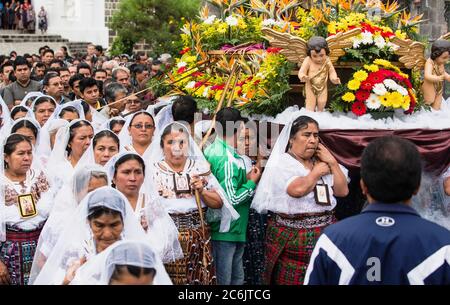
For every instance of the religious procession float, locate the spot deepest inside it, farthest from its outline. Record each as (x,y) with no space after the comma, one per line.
(359,67)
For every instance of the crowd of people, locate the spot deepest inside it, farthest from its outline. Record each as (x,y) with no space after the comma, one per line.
(21,16)
(102,182)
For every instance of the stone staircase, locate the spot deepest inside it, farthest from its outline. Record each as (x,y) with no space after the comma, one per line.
(30,43)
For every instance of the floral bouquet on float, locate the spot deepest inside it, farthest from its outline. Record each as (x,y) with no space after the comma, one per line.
(378,87)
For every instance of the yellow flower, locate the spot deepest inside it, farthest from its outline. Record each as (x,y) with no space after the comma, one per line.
(406,102)
(382,62)
(371,68)
(396,99)
(400,35)
(332,27)
(360,76)
(403,75)
(385,100)
(348,97)
(241,24)
(222,28)
(353,84)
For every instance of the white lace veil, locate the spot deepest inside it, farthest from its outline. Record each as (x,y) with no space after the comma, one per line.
(66,202)
(75,104)
(51,126)
(164,116)
(107,124)
(162,232)
(99,270)
(226,214)
(6,118)
(32,95)
(30,113)
(267,193)
(76,240)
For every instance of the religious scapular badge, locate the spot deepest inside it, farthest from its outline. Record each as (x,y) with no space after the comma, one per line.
(181,183)
(27,206)
(322,195)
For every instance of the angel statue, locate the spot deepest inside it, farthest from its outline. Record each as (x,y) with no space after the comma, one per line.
(315,58)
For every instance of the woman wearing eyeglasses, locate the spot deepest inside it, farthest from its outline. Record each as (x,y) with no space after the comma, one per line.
(137,134)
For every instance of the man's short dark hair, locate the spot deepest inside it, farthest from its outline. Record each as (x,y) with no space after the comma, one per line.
(21,61)
(48,77)
(138,69)
(59,62)
(6,64)
(76,77)
(184,108)
(156,62)
(87,82)
(99,48)
(100,70)
(391,169)
(83,65)
(48,51)
(229,114)
(63,69)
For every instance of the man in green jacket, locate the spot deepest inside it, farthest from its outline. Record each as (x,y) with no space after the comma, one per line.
(229,169)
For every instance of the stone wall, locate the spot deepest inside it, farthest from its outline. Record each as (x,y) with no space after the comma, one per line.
(434,11)
(110,7)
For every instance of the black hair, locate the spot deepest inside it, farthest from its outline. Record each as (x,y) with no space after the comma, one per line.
(156,62)
(41,100)
(301,123)
(17,109)
(87,82)
(48,77)
(138,69)
(72,128)
(6,64)
(141,112)
(184,108)
(48,51)
(11,143)
(25,124)
(114,122)
(39,65)
(59,62)
(70,109)
(391,169)
(439,47)
(100,70)
(73,79)
(83,65)
(99,211)
(86,107)
(106,134)
(126,158)
(228,114)
(63,68)
(169,129)
(21,61)
(133,270)
(317,43)
(99,48)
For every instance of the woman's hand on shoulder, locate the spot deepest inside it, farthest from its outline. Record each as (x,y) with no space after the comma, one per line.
(324,155)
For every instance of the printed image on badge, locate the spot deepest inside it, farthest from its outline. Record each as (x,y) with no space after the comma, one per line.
(181,183)
(322,195)
(27,207)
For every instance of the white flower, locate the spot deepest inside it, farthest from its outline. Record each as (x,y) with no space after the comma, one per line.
(181,64)
(373,102)
(367,38)
(231,21)
(390,84)
(379,41)
(190,85)
(391,46)
(357,41)
(379,89)
(206,91)
(268,22)
(260,75)
(210,19)
(402,90)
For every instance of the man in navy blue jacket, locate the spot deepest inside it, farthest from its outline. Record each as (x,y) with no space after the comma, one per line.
(388,243)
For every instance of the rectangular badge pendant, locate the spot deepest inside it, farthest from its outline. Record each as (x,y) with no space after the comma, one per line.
(181,183)
(27,206)
(322,195)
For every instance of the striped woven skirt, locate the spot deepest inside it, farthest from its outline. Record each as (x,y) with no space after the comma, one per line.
(196,267)
(17,253)
(289,245)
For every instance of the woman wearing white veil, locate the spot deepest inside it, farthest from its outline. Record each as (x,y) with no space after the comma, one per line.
(33,96)
(115,124)
(299,185)
(176,171)
(126,262)
(60,108)
(137,133)
(104,145)
(47,137)
(18,112)
(43,107)
(127,172)
(70,144)
(24,208)
(103,217)
(86,179)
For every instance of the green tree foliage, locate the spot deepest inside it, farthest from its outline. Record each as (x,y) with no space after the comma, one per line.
(156,21)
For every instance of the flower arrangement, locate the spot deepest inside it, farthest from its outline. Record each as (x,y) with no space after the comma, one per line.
(378,87)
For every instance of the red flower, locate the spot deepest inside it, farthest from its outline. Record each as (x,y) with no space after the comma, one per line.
(366,85)
(273,50)
(257,82)
(376,77)
(387,34)
(412,104)
(218,87)
(185,50)
(239,92)
(196,74)
(199,84)
(362,95)
(240,84)
(181,70)
(359,108)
